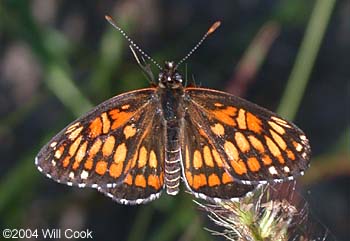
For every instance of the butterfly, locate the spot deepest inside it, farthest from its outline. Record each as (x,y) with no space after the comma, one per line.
(137,144)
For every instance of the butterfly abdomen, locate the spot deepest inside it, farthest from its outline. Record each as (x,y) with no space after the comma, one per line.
(172,158)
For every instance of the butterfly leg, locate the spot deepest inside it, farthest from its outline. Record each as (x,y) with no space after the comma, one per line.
(146,69)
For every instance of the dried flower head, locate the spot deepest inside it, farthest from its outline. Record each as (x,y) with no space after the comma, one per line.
(272,212)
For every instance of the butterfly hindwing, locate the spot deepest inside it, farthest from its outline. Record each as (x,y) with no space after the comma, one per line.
(203,168)
(145,179)
(97,149)
(256,145)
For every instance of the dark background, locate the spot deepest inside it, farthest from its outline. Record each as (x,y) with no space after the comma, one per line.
(60,58)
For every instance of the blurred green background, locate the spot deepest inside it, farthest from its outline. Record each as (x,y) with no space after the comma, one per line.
(58,59)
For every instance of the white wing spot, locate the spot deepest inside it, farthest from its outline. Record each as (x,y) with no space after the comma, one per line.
(245,182)
(299,147)
(273,170)
(53,144)
(124,201)
(202,196)
(84,174)
(71,175)
(139,201)
(286,169)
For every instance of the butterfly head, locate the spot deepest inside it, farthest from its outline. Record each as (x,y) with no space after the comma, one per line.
(169,77)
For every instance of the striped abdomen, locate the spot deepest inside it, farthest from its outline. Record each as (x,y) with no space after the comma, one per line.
(172,158)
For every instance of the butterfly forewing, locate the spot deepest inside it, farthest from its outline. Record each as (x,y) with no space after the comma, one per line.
(98,149)
(255,144)
(145,179)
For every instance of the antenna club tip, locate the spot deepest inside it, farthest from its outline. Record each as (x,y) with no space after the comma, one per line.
(214,27)
(108,18)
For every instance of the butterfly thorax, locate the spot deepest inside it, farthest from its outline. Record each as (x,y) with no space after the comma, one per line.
(170,93)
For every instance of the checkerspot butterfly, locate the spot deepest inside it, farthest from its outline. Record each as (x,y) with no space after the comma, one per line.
(136,144)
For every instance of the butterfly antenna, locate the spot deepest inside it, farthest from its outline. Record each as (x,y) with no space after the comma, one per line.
(210,31)
(114,24)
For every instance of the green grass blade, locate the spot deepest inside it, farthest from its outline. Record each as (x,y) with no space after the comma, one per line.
(306,58)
